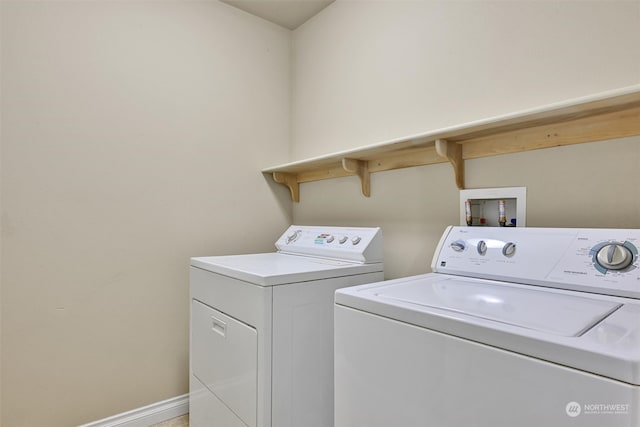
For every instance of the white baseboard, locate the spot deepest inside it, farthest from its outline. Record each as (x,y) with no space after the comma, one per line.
(147,415)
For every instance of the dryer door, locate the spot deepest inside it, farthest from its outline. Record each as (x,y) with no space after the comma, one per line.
(225,358)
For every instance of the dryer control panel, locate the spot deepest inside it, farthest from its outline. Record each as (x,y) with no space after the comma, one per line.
(357,244)
(602,261)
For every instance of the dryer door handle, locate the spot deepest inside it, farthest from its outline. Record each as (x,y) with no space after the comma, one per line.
(218,326)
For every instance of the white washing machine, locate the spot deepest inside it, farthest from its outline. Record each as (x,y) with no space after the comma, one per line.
(522,327)
(261,345)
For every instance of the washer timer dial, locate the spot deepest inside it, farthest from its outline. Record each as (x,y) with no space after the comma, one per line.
(614,256)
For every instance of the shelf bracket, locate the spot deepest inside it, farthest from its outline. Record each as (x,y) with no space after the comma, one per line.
(360,168)
(290,181)
(452,152)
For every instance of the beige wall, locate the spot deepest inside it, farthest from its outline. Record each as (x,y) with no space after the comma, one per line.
(133,134)
(370,71)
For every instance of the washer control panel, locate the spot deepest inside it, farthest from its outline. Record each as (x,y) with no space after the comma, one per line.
(359,244)
(591,260)
(614,256)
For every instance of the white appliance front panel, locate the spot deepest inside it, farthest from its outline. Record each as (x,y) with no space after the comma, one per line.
(294,323)
(225,359)
(388,373)
(206,410)
(253,305)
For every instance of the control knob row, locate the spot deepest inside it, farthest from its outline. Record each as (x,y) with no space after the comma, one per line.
(292,237)
(295,235)
(508,250)
(343,239)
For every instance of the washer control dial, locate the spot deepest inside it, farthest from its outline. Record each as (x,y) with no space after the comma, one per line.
(614,256)
(458,245)
(509,249)
(482,247)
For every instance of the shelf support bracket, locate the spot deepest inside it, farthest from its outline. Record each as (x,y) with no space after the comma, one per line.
(290,181)
(360,168)
(453,153)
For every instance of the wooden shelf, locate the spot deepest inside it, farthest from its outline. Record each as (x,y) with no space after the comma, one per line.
(605,116)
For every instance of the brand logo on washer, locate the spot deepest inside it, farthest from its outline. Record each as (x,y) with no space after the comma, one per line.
(573,409)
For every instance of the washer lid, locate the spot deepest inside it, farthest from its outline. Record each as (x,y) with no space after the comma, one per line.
(594,333)
(566,315)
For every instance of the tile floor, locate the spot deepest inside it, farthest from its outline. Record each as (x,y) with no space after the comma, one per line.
(182,421)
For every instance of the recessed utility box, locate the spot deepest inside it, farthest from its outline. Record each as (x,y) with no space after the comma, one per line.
(494,207)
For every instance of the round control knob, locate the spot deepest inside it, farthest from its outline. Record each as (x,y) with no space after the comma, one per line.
(356,240)
(614,256)
(330,239)
(509,249)
(293,236)
(482,247)
(342,240)
(458,246)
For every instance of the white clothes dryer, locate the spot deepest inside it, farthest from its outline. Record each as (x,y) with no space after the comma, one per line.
(261,344)
(522,327)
